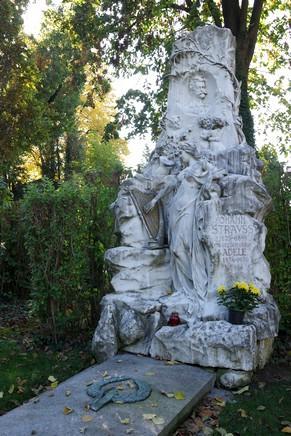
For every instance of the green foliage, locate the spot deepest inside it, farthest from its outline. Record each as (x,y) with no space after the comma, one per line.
(18,78)
(278,242)
(14,270)
(66,233)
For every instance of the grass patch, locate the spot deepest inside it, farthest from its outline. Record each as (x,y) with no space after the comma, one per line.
(25,368)
(260,412)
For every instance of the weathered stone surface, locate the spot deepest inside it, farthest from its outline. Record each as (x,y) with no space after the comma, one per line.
(235,379)
(191,221)
(46,418)
(265,318)
(105,340)
(264,351)
(130,327)
(140,270)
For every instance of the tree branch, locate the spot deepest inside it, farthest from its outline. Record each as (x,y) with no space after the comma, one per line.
(231,15)
(54,95)
(254,27)
(215,12)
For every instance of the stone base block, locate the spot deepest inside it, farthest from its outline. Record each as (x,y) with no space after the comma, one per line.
(137,323)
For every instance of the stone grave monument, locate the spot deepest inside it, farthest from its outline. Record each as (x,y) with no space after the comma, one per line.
(191,221)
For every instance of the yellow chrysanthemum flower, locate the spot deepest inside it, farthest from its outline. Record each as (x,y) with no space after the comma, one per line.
(221,289)
(244,286)
(241,285)
(254,290)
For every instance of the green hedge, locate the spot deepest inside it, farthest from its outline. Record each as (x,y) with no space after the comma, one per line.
(67,231)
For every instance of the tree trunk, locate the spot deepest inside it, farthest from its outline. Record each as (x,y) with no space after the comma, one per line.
(242,71)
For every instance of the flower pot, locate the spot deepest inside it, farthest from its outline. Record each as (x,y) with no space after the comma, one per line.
(235,316)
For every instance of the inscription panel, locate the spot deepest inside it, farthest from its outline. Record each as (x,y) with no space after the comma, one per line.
(232,237)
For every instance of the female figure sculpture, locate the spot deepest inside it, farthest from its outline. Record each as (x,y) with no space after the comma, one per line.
(189,262)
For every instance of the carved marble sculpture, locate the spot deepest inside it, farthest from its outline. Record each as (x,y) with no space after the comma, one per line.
(193,220)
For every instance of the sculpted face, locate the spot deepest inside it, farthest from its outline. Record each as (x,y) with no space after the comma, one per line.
(198,86)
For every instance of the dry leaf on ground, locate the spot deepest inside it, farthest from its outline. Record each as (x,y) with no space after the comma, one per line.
(11,389)
(242,413)
(68,410)
(286,429)
(242,390)
(51,379)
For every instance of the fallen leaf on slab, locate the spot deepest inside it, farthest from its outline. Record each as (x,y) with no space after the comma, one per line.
(148,416)
(124,421)
(68,393)
(11,389)
(150,373)
(105,374)
(89,383)
(83,429)
(171,362)
(158,420)
(286,429)
(154,404)
(54,384)
(119,361)
(87,418)
(68,410)
(51,379)
(242,413)
(261,408)
(179,395)
(129,430)
(242,390)
(168,394)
